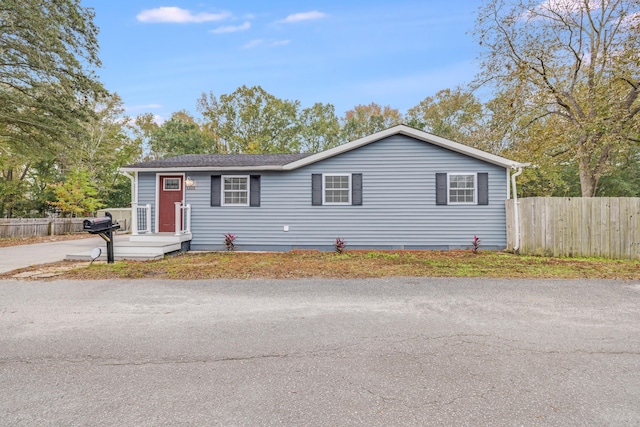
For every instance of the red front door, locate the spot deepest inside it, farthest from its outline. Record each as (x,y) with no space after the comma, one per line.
(171,191)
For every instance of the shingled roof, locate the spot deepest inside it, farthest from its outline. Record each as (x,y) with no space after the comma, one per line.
(220,161)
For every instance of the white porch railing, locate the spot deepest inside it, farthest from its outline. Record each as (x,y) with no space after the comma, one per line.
(140,218)
(183,218)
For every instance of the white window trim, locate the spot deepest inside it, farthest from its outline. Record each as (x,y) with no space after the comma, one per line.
(475,188)
(222,190)
(324,193)
(164,187)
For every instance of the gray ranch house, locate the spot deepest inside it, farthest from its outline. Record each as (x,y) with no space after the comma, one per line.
(400,188)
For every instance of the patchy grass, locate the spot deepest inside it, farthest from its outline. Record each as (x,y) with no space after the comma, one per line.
(354,264)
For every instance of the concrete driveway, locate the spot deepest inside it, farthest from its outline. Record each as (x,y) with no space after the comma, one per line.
(413,352)
(14,257)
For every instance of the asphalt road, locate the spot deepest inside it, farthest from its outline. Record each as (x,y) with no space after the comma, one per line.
(316,352)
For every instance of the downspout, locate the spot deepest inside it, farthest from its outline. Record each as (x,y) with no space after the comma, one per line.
(134,193)
(516,215)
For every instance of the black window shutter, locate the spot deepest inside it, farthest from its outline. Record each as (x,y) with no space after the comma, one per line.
(483,188)
(215,190)
(356,189)
(254,187)
(316,189)
(441,188)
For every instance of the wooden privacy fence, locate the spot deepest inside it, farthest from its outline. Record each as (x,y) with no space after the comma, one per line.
(607,227)
(30,227)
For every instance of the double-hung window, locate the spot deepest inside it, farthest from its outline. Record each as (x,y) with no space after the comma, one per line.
(462,188)
(235,190)
(336,189)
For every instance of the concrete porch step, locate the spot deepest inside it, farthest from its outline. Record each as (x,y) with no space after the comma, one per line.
(137,250)
(160,237)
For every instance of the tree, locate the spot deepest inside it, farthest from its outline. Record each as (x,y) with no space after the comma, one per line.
(574,64)
(319,128)
(181,134)
(77,195)
(453,114)
(251,120)
(47,51)
(143,129)
(364,120)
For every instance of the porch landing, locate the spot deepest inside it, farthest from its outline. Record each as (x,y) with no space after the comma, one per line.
(141,247)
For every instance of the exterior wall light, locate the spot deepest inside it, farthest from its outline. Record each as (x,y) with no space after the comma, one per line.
(190,183)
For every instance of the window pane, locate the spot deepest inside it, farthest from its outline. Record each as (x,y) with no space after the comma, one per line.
(171,183)
(235,183)
(235,198)
(337,196)
(336,182)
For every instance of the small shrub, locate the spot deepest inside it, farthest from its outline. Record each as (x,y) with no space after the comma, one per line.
(340,245)
(475,244)
(229,242)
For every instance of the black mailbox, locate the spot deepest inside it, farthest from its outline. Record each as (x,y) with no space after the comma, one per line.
(99,225)
(104,226)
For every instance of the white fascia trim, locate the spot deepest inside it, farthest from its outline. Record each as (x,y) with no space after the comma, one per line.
(204,169)
(414,133)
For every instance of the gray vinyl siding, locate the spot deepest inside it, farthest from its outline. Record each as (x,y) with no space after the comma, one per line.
(147,193)
(398,209)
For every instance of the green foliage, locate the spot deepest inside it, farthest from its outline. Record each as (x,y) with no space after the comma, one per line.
(181,134)
(319,128)
(453,114)
(251,120)
(76,196)
(365,120)
(47,49)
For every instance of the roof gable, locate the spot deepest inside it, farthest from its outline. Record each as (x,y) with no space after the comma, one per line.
(411,132)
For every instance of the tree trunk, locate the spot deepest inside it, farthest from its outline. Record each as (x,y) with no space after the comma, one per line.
(588,180)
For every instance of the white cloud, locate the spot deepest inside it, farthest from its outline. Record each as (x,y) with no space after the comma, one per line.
(178,15)
(303,16)
(267,43)
(253,43)
(158,120)
(561,7)
(232,28)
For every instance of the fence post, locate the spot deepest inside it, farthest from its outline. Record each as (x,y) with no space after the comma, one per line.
(178,217)
(188,213)
(134,218)
(52,228)
(148,209)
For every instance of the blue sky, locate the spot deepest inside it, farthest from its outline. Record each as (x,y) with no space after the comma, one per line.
(161,55)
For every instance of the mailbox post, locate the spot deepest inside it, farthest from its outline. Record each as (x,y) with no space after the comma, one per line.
(104,227)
